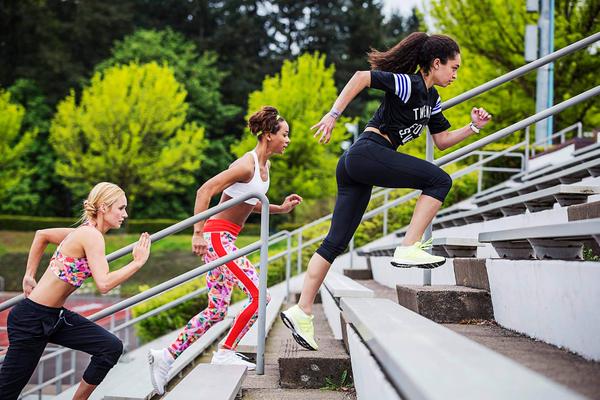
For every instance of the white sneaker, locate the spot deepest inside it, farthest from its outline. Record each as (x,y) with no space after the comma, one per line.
(230,357)
(160,362)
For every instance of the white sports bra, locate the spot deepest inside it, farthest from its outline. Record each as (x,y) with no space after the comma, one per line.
(256,184)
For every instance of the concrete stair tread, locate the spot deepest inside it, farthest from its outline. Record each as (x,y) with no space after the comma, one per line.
(206,381)
(301,368)
(406,344)
(340,285)
(560,365)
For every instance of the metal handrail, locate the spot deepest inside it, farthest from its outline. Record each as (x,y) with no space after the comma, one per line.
(502,133)
(261,244)
(580,44)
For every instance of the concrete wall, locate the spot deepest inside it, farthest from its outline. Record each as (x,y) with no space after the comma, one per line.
(555,301)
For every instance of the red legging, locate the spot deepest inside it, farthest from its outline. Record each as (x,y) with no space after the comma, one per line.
(220,236)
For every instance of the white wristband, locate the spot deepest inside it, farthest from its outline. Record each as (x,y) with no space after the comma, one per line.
(474,127)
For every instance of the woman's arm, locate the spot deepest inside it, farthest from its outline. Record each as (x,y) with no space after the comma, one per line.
(239,171)
(287,206)
(40,242)
(359,81)
(446,139)
(93,244)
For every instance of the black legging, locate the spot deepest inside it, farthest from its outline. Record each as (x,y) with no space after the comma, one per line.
(31,326)
(373,161)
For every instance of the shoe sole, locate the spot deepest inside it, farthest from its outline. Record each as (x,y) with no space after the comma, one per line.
(154,385)
(247,367)
(424,266)
(299,339)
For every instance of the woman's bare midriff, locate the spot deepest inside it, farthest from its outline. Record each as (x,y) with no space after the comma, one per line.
(237,214)
(377,131)
(51,291)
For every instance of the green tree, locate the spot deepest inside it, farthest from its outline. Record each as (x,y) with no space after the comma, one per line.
(40,192)
(492,43)
(199,74)
(202,79)
(303,92)
(57,43)
(13,144)
(128,128)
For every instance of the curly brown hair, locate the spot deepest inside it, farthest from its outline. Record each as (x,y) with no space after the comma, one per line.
(417,50)
(265,120)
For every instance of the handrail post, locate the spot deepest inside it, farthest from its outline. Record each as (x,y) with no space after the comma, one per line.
(351,252)
(428,231)
(58,371)
(299,260)
(262,289)
(288,267)
(385,214)
(527,149)
(480,175)
(40,377)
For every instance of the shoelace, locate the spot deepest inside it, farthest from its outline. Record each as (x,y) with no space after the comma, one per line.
(426,245)
(306,325)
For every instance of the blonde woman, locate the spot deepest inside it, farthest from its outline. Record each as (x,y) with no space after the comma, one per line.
(41,318)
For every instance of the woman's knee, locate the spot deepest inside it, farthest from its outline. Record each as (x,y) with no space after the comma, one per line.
(216,314)
(114,349)
(440,185)
(107,355)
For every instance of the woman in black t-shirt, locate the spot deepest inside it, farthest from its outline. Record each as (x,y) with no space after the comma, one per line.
(411,103)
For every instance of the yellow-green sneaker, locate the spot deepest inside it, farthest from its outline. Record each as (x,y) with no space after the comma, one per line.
(301,326)
(416,256)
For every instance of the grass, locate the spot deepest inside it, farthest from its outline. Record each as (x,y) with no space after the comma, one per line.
(19,242)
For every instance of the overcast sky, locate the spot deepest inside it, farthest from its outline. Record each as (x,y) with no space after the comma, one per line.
(405,6)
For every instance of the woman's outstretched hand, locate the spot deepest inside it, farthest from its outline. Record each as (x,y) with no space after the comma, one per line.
(325,127)
(480,117)
(291,202)
(141,251)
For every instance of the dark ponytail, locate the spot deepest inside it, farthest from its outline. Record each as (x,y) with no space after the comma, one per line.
(417,50)
(265,120)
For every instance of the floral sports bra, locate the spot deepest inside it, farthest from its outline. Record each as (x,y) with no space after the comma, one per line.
(70,269)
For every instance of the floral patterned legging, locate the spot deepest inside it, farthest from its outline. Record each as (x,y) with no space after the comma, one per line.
(220,282)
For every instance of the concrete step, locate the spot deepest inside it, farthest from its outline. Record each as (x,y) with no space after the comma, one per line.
(305,369)
(206,381)
(584,211)
(358,273)
(446,303)
(471,272)
(301,368)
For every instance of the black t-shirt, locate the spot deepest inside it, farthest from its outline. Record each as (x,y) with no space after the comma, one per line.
(407,107)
